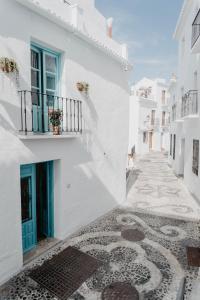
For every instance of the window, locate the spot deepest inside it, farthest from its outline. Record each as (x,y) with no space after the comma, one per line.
(163,97)
(163,118)
(44,85)
(195,160)
(171,144)
(26,199)
(174,147)
(174,112)
(145,137)
(153,113)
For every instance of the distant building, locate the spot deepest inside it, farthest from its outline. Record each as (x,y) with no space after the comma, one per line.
(184,100)
(61,71)
(149,116)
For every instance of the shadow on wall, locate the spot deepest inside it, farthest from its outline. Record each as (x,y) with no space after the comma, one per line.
(94,60)
(9,116)
(132,178)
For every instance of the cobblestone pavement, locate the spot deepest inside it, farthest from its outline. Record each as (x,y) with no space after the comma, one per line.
(145,251)
(158,190)
(141,254)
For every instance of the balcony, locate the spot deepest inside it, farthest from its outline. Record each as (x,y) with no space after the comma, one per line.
(36,114)
(196,34)
(189,106)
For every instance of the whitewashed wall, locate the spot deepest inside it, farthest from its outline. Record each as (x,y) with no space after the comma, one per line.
(186,128)
(140,108)
(89,170)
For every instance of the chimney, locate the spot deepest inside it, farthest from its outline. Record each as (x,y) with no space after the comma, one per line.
(109,27)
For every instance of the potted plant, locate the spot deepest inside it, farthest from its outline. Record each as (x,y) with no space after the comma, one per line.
(55,118)
(8,65)
(82,86)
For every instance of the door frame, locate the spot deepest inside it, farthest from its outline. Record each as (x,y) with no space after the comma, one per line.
(30,170)
(50,193)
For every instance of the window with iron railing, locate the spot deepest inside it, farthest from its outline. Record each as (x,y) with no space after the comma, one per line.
(189,103)
(196,29)
(36,118)
(195,159)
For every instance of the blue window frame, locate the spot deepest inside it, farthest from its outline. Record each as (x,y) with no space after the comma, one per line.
(44,85)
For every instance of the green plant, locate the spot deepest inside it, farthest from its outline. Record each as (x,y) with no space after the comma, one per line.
(82,86)
(8,65)
(55,117)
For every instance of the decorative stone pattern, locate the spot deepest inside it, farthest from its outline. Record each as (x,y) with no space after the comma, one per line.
(154,266)
(158,190)
(133,235)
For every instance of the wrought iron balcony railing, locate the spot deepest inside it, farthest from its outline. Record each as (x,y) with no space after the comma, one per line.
(196,28)
(38,108)
(189,103)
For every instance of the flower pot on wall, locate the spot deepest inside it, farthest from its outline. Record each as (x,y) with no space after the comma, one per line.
(8,65)
(82,87)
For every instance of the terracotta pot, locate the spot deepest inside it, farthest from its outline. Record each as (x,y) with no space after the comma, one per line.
(80,87)
(56,130)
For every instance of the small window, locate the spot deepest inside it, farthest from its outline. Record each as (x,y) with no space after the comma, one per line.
(163,118)
(171,144)
(26,199)
(195,160)
(174,147)
(145,137)
(153,113)
(163,97)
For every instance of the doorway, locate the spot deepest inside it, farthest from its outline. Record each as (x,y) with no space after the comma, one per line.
(182,157)
(36,203)
(150,140)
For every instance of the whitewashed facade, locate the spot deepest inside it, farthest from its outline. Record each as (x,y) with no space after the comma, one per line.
(185,120)
(149,116)
(55,45)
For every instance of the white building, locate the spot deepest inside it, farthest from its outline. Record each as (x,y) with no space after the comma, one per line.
(52,185)
(185,120)
(148,127)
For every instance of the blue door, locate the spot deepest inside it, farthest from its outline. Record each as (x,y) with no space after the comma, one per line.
(28,205)
(37,200)
(44,86)
(48,211)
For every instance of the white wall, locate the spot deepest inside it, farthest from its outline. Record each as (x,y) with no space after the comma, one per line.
(89,170)
(140,108)
(186,128)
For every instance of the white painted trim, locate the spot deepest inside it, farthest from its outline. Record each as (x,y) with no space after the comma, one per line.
(53,17)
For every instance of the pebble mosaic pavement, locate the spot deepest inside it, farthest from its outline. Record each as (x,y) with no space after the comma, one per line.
(154,264)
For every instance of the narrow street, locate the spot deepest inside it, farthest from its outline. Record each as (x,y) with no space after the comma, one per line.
(141,255)
(158,190)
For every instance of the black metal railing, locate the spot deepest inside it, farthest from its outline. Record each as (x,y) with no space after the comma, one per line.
(37,110)
(189,103)
(196,28)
